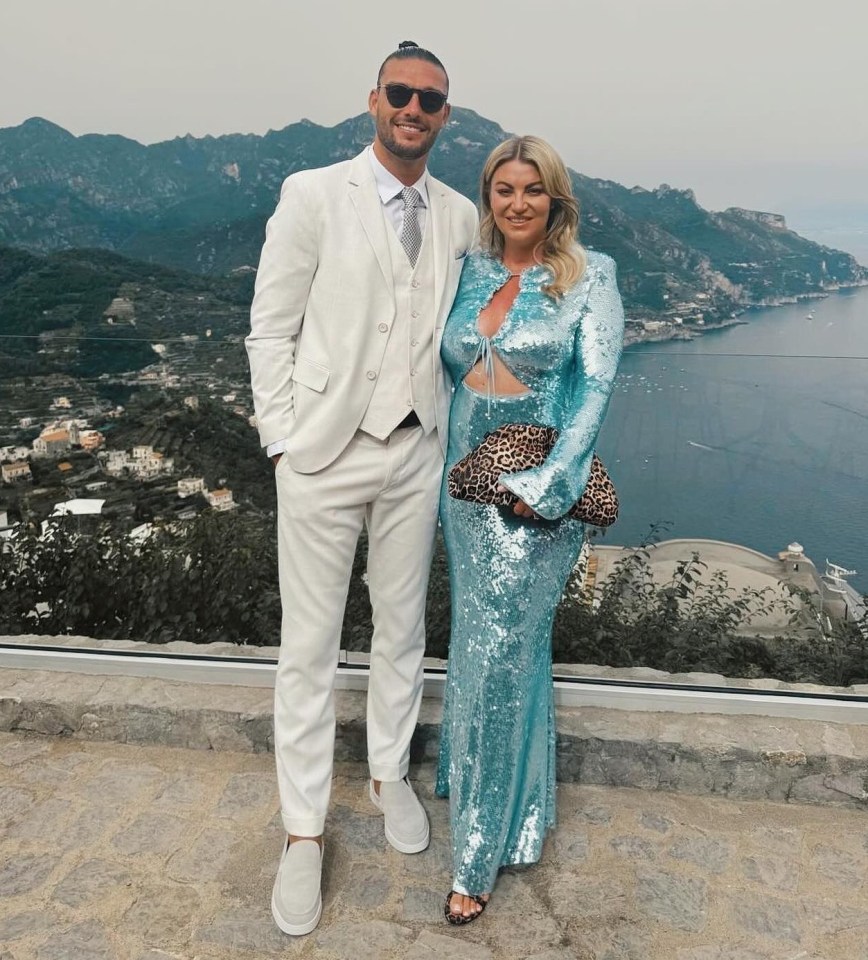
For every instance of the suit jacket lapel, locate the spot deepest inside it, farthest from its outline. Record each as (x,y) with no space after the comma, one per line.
(441,235)
(364,197)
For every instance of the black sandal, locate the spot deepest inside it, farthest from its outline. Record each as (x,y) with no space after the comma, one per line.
(458,919)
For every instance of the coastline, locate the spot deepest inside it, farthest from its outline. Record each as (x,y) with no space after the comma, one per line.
(656,330)
(634,335)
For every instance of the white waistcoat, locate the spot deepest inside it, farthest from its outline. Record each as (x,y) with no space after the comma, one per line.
(405,380)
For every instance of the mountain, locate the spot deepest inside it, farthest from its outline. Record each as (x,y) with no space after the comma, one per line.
(201,204)
(92,312)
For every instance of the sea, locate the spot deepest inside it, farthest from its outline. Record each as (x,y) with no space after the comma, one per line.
(755,434)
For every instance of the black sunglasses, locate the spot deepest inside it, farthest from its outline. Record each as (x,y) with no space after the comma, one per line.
(399,95)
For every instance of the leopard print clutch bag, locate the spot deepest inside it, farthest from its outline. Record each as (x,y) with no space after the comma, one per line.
(522,446)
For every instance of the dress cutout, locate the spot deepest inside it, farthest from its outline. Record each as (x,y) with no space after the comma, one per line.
(488,373)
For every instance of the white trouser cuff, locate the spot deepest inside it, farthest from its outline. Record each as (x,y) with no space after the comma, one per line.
(388,772)
(303,826)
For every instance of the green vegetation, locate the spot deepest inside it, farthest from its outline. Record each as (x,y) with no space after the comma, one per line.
(211,580)
(215,578)
(211,442)
(696,622)
(52,311)
(202,204)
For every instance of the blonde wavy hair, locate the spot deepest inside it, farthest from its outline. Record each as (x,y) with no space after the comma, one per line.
(560,250)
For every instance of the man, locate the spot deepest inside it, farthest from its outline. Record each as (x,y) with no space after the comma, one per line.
(355,281)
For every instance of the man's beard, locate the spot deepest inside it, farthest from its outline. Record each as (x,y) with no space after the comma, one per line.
(401,150)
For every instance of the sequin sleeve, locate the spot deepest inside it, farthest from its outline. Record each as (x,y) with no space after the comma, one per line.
(554,487)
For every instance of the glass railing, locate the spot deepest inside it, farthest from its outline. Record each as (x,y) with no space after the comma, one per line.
(136,503)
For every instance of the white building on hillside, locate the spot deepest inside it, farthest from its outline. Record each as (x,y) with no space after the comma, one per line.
(13,453)
(16,472)
(51,443)
(189,486)
(221,499)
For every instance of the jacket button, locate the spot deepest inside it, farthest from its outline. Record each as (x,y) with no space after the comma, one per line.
(372,375)
(383,327)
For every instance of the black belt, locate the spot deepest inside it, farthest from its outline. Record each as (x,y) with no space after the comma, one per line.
(411,420)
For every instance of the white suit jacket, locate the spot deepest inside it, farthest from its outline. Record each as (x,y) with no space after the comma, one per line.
(323,286)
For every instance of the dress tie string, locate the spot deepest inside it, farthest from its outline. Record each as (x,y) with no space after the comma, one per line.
(485,354)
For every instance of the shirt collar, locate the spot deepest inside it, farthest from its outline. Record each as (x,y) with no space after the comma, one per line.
(389,186)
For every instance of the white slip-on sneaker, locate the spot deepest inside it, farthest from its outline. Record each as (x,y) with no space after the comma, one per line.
(405,818)
(296,901)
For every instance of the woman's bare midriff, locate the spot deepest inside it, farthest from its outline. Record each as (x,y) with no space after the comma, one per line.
(491,317)
(506,383)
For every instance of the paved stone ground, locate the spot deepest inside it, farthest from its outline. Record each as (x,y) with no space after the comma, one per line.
(117,852)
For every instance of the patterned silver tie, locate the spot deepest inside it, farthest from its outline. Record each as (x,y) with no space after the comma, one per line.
(411,235)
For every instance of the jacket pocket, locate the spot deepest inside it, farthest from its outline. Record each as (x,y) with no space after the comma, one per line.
(309,374)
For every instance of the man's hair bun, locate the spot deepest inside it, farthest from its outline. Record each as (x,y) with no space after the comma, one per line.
(410,50)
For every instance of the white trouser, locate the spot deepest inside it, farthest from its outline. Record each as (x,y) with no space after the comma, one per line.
(393,486)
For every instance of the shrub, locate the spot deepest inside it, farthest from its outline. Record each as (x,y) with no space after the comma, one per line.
(214,579)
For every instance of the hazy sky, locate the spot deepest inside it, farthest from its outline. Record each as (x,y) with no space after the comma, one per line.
(757,103)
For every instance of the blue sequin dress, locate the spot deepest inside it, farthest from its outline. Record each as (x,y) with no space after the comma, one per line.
(507,574)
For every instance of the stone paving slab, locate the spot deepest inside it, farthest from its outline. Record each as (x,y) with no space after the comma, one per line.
(129,852)
(744,757)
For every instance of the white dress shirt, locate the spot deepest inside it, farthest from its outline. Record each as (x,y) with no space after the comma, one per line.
(389,187)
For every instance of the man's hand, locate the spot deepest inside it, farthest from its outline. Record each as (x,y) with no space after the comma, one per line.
(521,509)
(275,458)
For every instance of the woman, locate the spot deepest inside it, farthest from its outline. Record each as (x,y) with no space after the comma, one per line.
(534,336)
